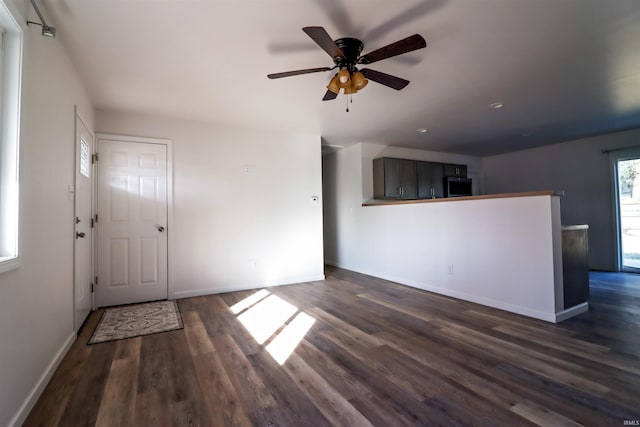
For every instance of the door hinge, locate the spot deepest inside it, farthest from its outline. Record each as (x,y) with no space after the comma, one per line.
(92,288)
(94,158)
(96,281)
(96,218)
(91,222)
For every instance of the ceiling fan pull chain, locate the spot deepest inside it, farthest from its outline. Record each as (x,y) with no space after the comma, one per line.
(347,99)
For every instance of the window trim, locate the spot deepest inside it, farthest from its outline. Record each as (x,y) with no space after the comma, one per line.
(14,27)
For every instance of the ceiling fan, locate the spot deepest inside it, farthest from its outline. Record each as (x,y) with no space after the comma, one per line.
(346,56)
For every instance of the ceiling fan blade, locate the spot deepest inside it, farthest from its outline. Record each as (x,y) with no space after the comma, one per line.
(409,44)
(297,72)
(413,13)
(338,14)
(324,40)
(385,79)
(329,96)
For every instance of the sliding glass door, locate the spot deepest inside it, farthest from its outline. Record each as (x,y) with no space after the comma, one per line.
(628,209)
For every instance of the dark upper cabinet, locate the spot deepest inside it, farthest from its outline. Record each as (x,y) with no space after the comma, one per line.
(394,178)
(430,180)
(412,179)
(455,170)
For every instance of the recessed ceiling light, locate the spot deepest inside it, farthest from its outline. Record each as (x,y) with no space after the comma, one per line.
(422,130)
(496,105)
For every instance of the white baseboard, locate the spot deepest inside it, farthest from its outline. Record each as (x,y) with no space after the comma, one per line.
(245,287)
(19,418)
(572,311)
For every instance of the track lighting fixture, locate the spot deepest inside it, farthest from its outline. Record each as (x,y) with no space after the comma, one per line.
(47,31)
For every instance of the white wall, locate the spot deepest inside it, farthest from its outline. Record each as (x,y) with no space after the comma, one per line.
(232,229)
(501,251)
(36,300)
(582,171)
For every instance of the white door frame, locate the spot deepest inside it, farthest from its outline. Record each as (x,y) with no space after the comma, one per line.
(169,144)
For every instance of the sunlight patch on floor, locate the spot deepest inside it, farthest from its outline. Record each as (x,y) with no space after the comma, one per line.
(249,301)
(266,317)
(263,314)
(288,339)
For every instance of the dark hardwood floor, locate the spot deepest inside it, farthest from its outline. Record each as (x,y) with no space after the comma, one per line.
(378,353)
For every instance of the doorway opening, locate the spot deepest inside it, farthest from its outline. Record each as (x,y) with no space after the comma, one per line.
(627,180)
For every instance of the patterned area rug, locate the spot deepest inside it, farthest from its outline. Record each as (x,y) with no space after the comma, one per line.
(135,320)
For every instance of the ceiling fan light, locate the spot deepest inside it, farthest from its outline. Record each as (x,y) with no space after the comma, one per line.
(333,85)
(344,78)
(359,80)
(350,89)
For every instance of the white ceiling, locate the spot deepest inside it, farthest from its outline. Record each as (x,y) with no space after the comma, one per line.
(563,68)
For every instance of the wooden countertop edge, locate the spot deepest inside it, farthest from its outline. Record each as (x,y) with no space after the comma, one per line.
(380,202)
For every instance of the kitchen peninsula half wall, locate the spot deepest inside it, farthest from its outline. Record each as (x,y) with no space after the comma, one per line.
(503,251)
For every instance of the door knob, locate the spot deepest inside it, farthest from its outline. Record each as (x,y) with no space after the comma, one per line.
(160,228)
(80,235)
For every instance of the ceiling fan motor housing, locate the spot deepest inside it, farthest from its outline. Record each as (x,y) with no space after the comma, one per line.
(351,48)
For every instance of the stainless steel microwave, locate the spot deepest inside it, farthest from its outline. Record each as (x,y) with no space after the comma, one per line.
(455,186)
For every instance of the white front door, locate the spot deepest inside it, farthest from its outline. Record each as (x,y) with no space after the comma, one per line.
(83,248)
(132,222)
